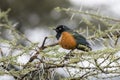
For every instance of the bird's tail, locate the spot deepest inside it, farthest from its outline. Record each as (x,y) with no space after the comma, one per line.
(84,47)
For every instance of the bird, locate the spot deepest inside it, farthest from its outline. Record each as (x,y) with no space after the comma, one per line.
(70,40)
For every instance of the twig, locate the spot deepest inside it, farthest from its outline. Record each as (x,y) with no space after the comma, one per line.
(105,35)
(86,74)
(86,13)
(36,54)
(1,52)
(105,59)
(44,42)
(98,66)
(41,48)
(116,40)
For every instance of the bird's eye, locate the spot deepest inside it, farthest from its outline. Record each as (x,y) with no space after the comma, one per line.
(60,28)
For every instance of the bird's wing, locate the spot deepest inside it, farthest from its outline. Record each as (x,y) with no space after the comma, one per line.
(80,39)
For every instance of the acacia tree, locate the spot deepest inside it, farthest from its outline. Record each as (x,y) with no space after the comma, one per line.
(95,64)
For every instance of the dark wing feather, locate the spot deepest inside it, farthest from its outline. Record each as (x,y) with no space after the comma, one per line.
(81,41)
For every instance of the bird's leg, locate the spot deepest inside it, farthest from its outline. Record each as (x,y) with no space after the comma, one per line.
(67,56)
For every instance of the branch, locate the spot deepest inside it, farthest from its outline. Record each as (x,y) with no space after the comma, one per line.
(41,48)
(86,13)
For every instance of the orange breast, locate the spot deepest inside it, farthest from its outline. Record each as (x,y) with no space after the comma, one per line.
(67,41)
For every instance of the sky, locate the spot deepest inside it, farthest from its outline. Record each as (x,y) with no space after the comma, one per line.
(107,7)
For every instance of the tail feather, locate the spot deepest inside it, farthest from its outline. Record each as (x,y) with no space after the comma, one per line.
(84,47)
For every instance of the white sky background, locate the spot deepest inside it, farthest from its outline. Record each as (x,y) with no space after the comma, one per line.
(107,7)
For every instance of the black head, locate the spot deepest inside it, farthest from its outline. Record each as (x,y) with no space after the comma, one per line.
(61,28)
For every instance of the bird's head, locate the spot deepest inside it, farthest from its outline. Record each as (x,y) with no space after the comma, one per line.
(59,29)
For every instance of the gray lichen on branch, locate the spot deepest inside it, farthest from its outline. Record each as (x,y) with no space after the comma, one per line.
(85,64)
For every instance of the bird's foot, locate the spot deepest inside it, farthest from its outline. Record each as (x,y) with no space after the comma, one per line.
(69,55)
